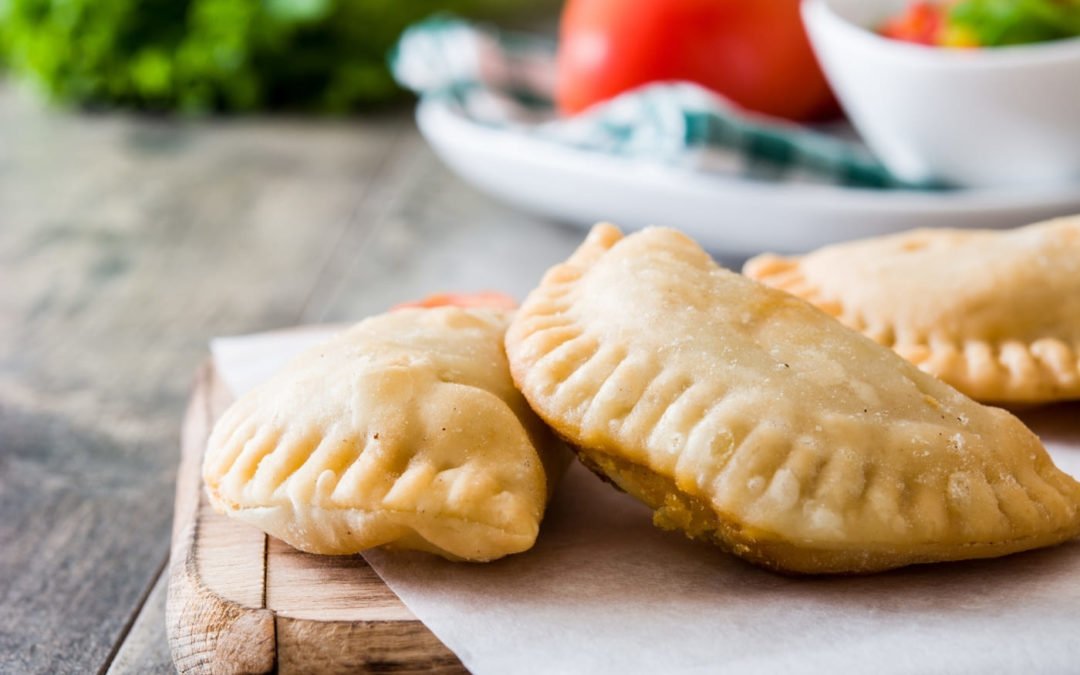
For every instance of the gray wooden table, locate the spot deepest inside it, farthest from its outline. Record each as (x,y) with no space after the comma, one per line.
(125,244)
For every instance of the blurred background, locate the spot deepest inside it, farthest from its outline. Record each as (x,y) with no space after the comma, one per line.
(207,56)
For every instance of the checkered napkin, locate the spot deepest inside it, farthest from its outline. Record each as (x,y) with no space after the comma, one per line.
(506,80)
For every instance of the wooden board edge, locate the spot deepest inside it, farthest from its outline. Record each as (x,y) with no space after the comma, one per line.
(237,638)
(207,633)
(229,638)
(307,646)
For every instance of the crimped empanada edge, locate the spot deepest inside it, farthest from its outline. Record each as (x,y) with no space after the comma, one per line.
(769,550)
(279,516)
(763,548)
(1007,372)
(392,530)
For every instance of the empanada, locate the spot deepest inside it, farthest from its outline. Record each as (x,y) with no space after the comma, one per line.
(746,416)
(996,314)
(404,430)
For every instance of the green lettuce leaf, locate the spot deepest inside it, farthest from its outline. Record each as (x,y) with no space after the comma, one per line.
(218,55)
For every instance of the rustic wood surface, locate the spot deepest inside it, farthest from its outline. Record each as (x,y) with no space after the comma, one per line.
(125,244)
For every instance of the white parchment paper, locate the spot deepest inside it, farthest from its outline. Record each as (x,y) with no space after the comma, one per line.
(603,591)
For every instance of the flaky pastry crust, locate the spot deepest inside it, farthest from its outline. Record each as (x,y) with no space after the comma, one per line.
(745,416)
(996,314)
(403,431)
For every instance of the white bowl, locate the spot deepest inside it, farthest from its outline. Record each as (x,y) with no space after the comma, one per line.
(991,117)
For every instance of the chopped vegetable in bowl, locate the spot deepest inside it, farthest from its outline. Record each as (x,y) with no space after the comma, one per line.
(984,23)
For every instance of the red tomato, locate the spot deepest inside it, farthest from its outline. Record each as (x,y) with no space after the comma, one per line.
(754,52)
(921,23)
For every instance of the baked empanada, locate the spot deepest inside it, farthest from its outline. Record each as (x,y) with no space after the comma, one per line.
(745,416)
(404,430)
(996,314)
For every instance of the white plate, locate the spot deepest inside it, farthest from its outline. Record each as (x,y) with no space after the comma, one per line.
(725,214)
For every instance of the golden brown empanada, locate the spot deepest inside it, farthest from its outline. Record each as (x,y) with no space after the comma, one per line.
(996,314)
(404,430)
(746,416)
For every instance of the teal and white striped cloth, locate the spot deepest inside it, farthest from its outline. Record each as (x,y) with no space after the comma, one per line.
(506,80)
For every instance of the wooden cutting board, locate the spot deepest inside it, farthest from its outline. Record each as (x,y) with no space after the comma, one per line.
(242,602)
